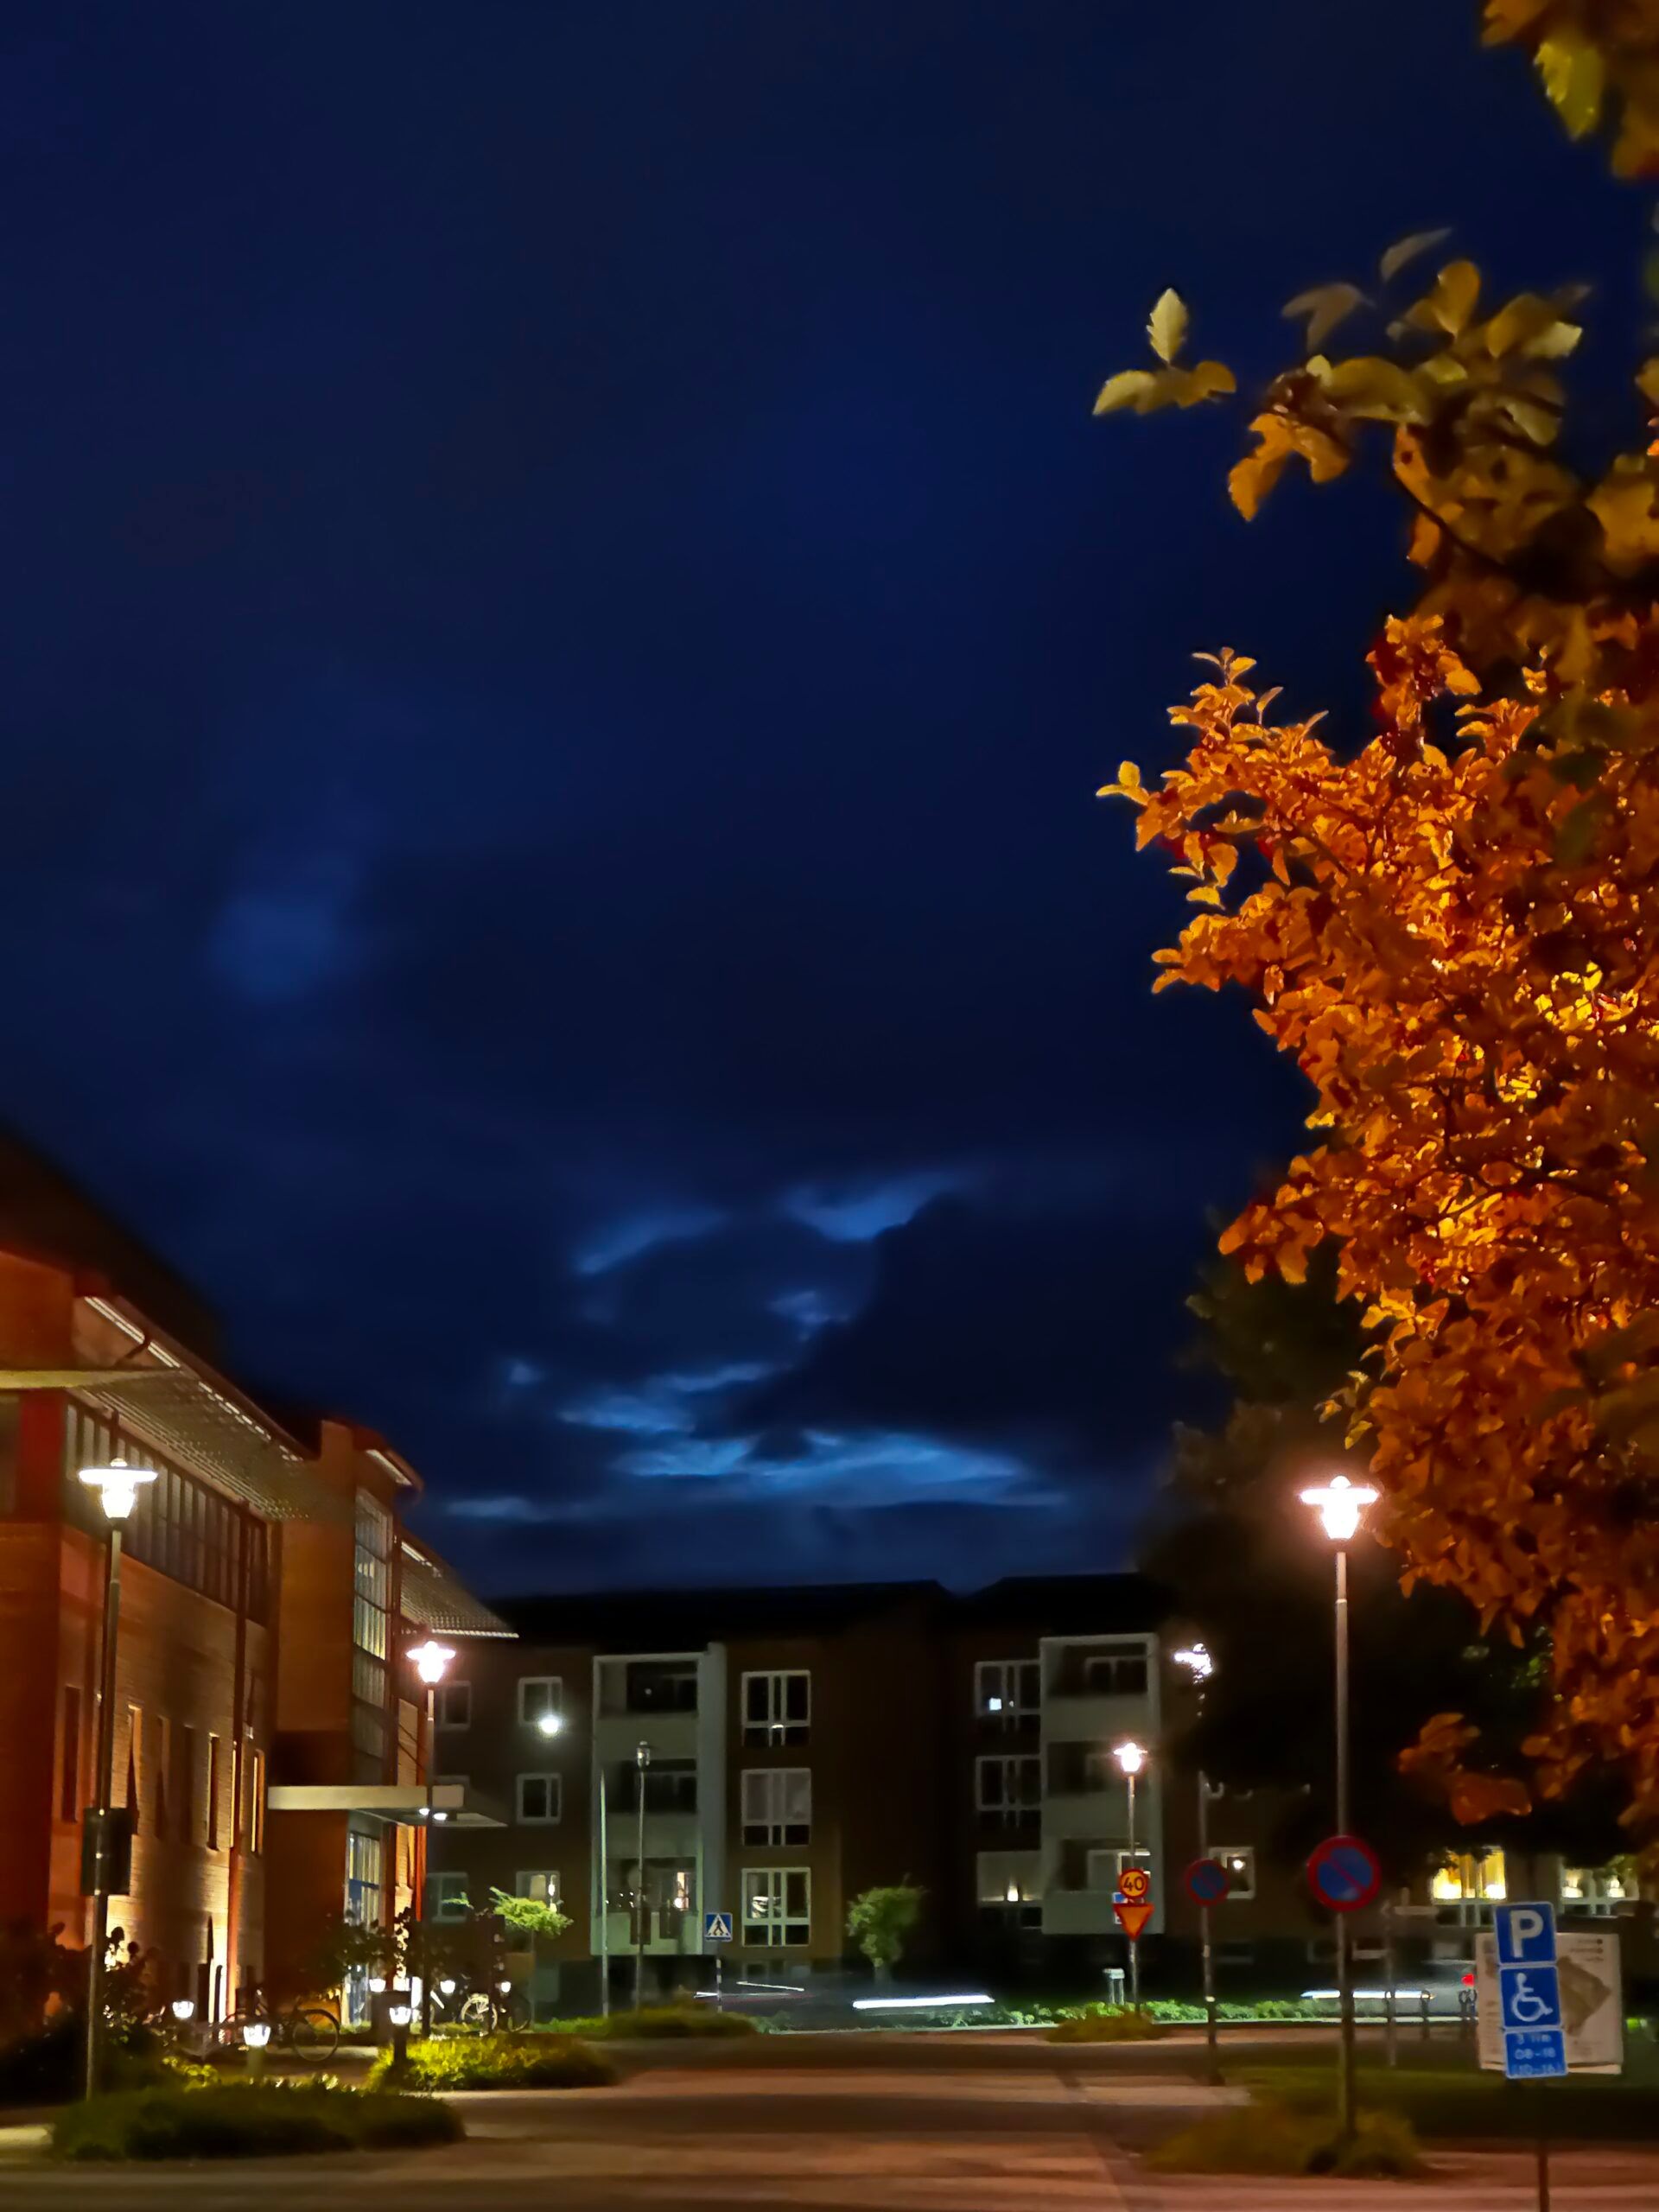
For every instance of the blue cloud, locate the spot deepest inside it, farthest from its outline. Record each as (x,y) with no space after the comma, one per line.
(856,1213)
(631,1236)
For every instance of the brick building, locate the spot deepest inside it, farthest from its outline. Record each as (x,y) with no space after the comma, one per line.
(806,1744)
(266,1747)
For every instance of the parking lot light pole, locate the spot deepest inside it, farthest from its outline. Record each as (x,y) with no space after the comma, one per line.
(1131,1757)
(642,1760)
(431,1663)
(1340,1505)
(1199,1667)
(117,1487)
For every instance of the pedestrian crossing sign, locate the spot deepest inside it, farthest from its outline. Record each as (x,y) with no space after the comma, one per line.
(717,1927)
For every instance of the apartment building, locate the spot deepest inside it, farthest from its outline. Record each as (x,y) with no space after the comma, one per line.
(267,1753)
(804,1744)
(790,1760)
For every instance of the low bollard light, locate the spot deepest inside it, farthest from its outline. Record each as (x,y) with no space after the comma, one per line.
(256,2034)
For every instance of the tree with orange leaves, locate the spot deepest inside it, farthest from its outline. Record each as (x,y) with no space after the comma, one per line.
(1454,930)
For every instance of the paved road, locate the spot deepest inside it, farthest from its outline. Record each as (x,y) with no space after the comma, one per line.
(969,2125)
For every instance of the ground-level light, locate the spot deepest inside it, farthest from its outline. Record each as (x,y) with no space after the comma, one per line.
(183,2009)
(256,2034)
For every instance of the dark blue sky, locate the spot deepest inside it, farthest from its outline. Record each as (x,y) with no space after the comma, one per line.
(564,611)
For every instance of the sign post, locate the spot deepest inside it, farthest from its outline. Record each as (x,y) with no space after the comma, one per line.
(1207,1881)
(1132,1904)
(1523,1961)
(717,1928)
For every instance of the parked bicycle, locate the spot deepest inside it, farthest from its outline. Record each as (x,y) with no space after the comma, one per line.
(308,2033)
(480,2007)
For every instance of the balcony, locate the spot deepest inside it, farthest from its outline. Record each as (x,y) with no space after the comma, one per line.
(1079,1912)
(1093,1815)
(1093,1717)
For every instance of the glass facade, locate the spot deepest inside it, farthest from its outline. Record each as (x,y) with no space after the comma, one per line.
(181,1526)
(371,1633)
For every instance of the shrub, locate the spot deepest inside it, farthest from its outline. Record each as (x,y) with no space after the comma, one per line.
(48,2067)
(246,2120)
(1269,2140)
(518,2061)
(668,2022)
(1110,2024)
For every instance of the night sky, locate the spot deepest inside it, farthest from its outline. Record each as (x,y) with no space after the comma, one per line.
(564,613)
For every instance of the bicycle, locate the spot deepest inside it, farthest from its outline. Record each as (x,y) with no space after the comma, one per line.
(483,2009)
(308,2033)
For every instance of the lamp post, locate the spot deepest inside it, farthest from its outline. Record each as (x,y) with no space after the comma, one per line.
(431,1663)
(117,1487)
(1340,1504)
(1200,1666)
(642,1760)
(1131,1757)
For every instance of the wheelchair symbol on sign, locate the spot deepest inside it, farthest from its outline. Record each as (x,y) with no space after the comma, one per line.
(1529,2007)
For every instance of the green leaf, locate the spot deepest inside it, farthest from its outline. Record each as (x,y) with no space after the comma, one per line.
(1167,326)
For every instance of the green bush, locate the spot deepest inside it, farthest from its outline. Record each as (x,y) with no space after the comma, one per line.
(665,2021)
(48,2067)
(246,2120)
(1267,2138)
(1110,2024)
(507,2061)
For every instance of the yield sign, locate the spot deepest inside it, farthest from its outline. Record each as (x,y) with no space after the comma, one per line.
(1131,1918)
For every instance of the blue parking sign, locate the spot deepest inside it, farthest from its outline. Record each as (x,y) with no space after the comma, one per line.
(1531,1997)
(1526,1935)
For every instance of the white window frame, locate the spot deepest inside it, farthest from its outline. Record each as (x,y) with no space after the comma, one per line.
(776,1726)
(554,1703)
(555,1794)
(1003,1761)
(445,1890)
(764,1803)
(772,1881)
(443,1707)
(549,1879)
(1111,1863)
(1240,1888)
(1002,1680)
(1112,1656)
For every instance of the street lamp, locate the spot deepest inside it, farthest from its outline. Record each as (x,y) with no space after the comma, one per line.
(1199,1667)
(642,1760)
(550,1723)
(1340,1505)
(1131,1757)
(430,1661)
(117,1487)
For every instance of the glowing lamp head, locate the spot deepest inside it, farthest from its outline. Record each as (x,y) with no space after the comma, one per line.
(1131,1757)
(505,1988)
(118,1487)
(431,1659)
(642,1756)
(447,1988)
(399,2015)
(1197,1661)
(1340,1505)
(1013,1895)
(256,2034)
(550,1723)
(183,2009)
(378,1984)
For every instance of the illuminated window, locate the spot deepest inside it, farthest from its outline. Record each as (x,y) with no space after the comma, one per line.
(777,1707)
(777,1907)
(1239,1859)
(541,1886)
(1470,1876)
(1008,1689)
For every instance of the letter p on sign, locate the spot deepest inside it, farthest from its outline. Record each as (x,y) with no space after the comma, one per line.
(1526,1935)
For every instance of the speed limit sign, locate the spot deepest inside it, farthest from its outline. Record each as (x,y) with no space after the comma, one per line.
(1135,1883)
